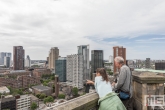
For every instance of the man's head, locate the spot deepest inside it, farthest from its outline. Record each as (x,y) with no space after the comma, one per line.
(119,61)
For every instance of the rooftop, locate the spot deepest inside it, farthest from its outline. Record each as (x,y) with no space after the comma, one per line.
(33,97)
(4,89)
(16,71)
(7,98)
(41,88)
(150,70)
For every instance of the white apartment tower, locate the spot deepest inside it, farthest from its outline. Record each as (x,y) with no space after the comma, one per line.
(84,50)
(27,61)
(74,70)
(23,102)
(110,59)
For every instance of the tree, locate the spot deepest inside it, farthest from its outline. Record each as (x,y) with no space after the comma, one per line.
(20,92)
(38,95)
(109,72)
(75,91)
(48,99)
(61,96)
(33,106)
(45,84)
(42,96)
(52,77)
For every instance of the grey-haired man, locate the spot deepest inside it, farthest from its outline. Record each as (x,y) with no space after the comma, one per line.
(124,81)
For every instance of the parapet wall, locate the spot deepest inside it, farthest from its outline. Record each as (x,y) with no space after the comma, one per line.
(85,102)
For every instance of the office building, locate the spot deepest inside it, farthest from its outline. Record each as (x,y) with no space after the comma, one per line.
(97,60)
(60,69)
(119,51)
(7,61)
(53,55)
(23,102)
(147,63)
(27,61)
(84,50)
(2,58)
(160,66)
(75,70)
(18,58)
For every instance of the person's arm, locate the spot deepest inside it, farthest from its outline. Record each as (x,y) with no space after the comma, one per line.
(121,80)
(90,82)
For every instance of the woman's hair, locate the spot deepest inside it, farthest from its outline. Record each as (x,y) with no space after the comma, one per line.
(103,74)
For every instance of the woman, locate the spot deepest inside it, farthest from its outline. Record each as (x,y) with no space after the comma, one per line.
(108,99)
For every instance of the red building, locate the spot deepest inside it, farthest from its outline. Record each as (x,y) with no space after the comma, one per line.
(119,51)
(18,58)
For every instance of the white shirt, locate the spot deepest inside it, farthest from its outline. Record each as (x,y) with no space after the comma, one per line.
(102,87)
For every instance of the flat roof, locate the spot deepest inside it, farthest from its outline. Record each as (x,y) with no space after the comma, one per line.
(150,70)
(41,88)
(7,98)
(4,89)
(23,96)
(33,97)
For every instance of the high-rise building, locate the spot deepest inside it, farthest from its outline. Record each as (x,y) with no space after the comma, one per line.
(110,59)
(53,55)
(18,58)
(2,57)
(27,61)
(160,66)
(97,60)
(75,70)
(60,69)
(148,63)
(119,51)
(84,50)
(7,61)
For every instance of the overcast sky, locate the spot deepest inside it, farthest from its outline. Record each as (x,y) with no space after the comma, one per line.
(38,25)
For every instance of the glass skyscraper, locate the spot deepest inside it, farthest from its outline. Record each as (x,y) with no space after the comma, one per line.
(60,69)
(84,50)
(97,60)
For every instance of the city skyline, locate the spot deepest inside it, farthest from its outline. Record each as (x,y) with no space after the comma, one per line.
(40,25)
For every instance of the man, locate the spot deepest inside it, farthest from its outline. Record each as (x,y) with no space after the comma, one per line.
(124,80)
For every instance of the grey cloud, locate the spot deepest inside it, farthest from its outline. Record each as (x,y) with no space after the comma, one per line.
(40,25)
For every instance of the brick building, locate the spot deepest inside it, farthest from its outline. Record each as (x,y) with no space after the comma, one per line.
(26,81)
(10,82)
(21,82)
(38,72)
(42,89)
(119,51)
(16,73)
